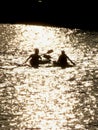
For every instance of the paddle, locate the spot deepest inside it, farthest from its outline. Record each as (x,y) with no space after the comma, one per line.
(45,55)
(49,51)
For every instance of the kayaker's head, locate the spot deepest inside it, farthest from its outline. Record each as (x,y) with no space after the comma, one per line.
(36,50)
(63,52)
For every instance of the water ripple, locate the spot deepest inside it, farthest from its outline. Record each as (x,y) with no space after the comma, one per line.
(48,97)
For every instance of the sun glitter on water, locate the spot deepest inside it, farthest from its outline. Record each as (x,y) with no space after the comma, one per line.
(39,35)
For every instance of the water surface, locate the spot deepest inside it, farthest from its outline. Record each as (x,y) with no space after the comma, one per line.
(48,98)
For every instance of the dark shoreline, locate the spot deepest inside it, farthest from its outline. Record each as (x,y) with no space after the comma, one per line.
(83,26)
(55,22)
(68,14)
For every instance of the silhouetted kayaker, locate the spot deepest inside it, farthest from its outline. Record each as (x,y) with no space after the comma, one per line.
(34,58)
(62,60)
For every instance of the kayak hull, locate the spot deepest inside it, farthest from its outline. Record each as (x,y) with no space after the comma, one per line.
(44,61)
(56,64)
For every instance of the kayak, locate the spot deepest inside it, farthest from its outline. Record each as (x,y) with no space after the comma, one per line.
(56,64)
(46,61)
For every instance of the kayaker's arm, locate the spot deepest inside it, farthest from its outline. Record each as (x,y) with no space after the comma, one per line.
(70,60)
(40,57)
(47,56)
(27,59)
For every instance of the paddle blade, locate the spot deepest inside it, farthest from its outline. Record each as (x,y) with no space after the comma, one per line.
(49,51)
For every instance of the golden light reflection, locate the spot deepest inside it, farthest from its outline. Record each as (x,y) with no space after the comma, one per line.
(50,105)
(35,36)
(48,97)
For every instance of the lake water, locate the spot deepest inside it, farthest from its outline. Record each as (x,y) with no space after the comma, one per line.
(48,98)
